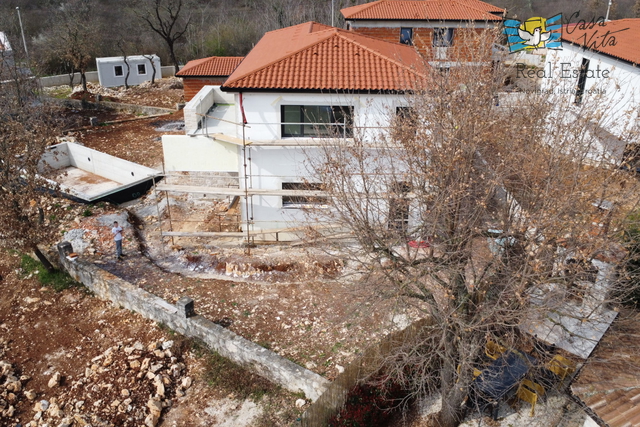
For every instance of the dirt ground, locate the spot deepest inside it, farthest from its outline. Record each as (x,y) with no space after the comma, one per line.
(137,139)
(97,350)
(164,93)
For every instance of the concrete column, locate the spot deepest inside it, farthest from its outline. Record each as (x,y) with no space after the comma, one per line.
(185,307)
(64,249)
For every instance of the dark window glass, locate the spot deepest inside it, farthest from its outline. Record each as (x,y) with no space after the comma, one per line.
(118,71)
(301,200)
(406,122)
(442,37)
(316,121)
(406,36)
(142,69)
(582,80)
(399,207)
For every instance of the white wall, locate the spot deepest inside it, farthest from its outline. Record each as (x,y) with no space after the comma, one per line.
(199,153)
(106,72)
(201,103)
(614,85)
(262,111)
(271,165)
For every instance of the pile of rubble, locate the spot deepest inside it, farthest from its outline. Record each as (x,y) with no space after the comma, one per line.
(127,385)
(11,387)
(163,93)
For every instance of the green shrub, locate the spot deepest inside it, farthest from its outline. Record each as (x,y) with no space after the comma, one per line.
(58,280)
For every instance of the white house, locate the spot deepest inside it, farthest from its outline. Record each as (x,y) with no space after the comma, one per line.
(598,66)
(112,71)
(298,88)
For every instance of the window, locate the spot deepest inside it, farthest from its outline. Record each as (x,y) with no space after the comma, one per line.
(304,199)
(442,37)
(399,207)
(406,36)
(582,80)
(142,69)
(118,71)
(406,123)
(308,121)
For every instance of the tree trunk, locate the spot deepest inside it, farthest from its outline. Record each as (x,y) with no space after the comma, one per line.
(72,75)
(172,54)
(83,78)
(126,77)
(453,387)
(43,259)
(453,411)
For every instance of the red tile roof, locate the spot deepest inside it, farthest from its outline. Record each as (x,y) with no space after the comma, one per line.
(313,56)
(431,10)
(209,67)
(625,31)
(610,381)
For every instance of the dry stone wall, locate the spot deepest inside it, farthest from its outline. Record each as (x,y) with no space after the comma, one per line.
(182,318)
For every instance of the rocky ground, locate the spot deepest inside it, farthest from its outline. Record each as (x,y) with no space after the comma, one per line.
(70,359)
(164,93)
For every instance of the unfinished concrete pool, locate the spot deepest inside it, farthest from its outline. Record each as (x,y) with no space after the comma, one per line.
(89,176)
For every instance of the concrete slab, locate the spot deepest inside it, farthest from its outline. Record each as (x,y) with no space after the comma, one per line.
(82,181)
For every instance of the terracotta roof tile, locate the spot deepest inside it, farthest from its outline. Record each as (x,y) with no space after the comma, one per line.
(432,10)
(317,57)
(610,381)
(625,31)
(209,67)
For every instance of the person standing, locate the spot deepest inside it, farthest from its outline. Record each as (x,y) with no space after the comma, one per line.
(117,237)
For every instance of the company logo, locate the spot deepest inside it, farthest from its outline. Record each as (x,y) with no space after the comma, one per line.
(534,33)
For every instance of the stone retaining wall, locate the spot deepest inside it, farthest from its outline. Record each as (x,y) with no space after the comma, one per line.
(181,318)
(107,105)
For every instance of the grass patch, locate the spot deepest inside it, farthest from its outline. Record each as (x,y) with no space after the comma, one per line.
(60,92)
(223,374)
(58,280)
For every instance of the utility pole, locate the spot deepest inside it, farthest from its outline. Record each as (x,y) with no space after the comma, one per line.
(332,13)
(24,41)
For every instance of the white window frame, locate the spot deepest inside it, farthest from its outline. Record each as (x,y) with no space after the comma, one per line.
(115,72)
(138,69)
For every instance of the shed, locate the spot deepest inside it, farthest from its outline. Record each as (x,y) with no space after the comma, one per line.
(113,70)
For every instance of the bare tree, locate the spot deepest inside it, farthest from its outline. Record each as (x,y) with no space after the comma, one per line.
(166,18)
(123,50)
(153,67)
(73,36)
(468,214)
(27,126)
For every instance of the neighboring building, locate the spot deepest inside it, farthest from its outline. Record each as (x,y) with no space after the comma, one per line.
(609,383)
(212,71)
(599,64)
(112,71)
(297,88)
(6,53)
(439,29)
